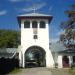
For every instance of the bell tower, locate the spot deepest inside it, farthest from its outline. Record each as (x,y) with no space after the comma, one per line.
(35,39)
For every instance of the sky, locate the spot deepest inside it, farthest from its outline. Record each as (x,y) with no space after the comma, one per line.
(9,9)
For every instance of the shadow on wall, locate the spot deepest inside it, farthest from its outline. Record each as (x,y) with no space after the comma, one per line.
(7,65)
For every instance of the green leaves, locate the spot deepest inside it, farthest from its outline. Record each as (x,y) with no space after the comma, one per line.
(9,39)
(68,38)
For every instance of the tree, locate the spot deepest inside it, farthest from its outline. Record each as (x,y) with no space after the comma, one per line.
(68,37)
(9,39)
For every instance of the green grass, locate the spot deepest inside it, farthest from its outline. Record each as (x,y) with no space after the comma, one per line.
(72,71)
(15,70)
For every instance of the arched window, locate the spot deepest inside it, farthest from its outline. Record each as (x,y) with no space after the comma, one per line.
(34,24)
(26,24)
(42,24)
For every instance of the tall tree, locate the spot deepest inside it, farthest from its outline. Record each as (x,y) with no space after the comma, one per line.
(68,38)
(9,39)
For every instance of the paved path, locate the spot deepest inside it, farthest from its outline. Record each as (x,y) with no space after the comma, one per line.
(34,71)
(42,71)
(59,72)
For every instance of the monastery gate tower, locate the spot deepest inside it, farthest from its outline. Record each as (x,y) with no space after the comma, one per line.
(35,40)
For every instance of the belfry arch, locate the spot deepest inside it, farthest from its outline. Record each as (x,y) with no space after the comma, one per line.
(35,57)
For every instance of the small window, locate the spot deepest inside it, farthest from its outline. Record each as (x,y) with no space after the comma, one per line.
(42,24)
(35,37)
(34,24)
(26,24)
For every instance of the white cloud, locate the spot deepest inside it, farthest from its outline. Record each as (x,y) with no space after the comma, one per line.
(34,7)
(54,39)
(28,0)
(57,36)
(50,9)
(19,0)
(60,32)
(15,0)
(3,12)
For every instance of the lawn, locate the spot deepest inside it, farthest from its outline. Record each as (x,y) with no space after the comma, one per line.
(72,71)
(15,70)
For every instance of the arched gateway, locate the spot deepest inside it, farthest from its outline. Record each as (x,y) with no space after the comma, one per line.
(35,57)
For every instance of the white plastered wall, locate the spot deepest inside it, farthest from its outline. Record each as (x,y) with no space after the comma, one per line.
(42,41)
(59,61)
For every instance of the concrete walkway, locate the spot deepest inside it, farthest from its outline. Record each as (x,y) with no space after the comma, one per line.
(42,71)
(60,72)
(34,71)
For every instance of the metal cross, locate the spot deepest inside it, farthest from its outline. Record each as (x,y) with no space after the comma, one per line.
(34,8)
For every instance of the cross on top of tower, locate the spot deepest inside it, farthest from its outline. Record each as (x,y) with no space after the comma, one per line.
(34,8)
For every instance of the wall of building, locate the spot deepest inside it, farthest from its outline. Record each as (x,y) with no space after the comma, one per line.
(27,36)
(42,41)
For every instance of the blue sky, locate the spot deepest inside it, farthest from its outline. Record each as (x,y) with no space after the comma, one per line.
(9,9)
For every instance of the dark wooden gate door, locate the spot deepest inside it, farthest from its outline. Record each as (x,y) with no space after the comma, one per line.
(65,62)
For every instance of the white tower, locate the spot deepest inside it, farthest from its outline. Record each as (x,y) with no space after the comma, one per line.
(35,40)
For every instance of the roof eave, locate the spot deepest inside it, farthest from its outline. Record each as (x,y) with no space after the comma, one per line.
(33,17)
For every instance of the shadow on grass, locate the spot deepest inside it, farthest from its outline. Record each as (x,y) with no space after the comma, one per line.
(7,65)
